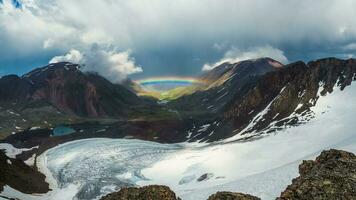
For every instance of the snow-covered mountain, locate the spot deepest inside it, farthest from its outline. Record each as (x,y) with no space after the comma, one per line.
(276,100)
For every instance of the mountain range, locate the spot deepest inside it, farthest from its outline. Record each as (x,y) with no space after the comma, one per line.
(245,99)
(215,128)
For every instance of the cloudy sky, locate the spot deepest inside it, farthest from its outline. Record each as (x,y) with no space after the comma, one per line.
(137,38)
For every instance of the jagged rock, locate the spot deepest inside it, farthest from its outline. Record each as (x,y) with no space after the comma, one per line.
(232,196)
(205,177)
(331,176)
(152,192)
(16,174)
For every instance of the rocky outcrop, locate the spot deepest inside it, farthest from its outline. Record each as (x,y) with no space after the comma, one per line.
(331,176)
(152,192)
(156,192)
(232,196)
(16,174)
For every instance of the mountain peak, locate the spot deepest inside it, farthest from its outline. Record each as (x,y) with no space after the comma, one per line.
(272,62)
(70,90)
(67,66)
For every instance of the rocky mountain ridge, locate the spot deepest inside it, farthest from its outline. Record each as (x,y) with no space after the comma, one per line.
(248,99)
(277,100)
(70,90)
(222,83)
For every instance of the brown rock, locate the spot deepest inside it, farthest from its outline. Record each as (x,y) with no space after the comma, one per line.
(331,176)
(152,192)
(232,196)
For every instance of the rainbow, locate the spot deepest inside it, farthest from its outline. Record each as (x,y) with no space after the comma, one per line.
(170,80)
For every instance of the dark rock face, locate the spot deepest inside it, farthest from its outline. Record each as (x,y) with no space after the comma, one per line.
(232,196)
(205,177)
(70,90)
(152,192)
(225,84)
(331,176)
(16,174)
(289,92)
(277,99)
(14,88)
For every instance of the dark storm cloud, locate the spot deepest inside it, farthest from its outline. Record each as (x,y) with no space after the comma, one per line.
(180,36)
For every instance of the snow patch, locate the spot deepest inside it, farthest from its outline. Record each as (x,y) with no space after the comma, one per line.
(222,96)
(31,160)
(34,128)
(100,130)
(189,134)
(12,151)
(204,128)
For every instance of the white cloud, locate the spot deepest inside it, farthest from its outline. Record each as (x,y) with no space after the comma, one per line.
(43,26)
(135,23)
(115,66)
(27,31)
(73,56)
(234,55)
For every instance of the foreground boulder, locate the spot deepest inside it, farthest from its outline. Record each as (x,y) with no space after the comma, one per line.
(232,196)
(152,192)
(331,176)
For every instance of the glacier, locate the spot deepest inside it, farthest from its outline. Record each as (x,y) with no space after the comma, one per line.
(99,166)
(90,168)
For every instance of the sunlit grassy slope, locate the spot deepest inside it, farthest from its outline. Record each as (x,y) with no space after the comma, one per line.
(170,94)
